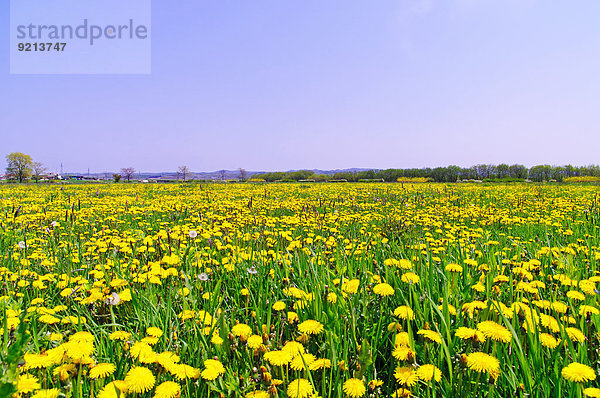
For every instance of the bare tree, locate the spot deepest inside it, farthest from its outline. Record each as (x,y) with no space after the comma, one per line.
(128,172)
(223,174)
(243,174)
(38,170)
(183,171)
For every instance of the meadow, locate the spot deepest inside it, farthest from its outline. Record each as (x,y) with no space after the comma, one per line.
(299,290)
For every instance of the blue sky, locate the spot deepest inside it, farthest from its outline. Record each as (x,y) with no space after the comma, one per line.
(278,85)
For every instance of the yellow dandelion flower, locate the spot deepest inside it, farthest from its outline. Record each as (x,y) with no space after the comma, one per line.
(401,392)
(411,278)
(142,352)
(216,339)
(139,379)
(351,286)
(494,331)
(406,376)
(354,388)
(592,392)
(292,317)
(483,363)
(183,371)
(213,369)
(575,335)
(167,389)
(300,388)
(382,289)
(278,357)
(64,371)
(120,335)
(559,307)
(79,350)
(311,327)
(241,330)
(52,393)
(584,310)
(36,361)
(154,332)
(453,268)
(332,298)
(402,338)
(322,363)
(403,353)
(102,370)
(575,295)
(258,394)
(125,296)
(578,373)
(404,312)
(150,340)
(429,372)
(430,335)
(549,341)
(27,383)
(254,341)
(468,333)
(299,361)
(115,389)
(56,337)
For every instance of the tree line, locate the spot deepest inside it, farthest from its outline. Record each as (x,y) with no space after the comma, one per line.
(21,167)
(483,172)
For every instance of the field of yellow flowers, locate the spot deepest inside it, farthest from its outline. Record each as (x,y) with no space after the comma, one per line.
(317,290)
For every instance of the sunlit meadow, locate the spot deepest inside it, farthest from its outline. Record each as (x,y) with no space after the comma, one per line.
(291,290)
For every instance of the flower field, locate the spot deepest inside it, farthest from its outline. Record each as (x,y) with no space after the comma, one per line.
(291,290)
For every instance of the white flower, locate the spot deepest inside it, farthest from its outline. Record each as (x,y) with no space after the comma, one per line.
(203,277)
(252,270)
(22,245)
(193,234)
(54,224)
(113,299)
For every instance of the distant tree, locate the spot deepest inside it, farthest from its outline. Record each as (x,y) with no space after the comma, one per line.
(300,175)
(277,175)
(439,174)
(503,170)
(117,177)
(453,173)
(492,171)
(38,170)
(540,173)
(558,173)
(366,175)
(345,175)
(183,171)
(243,174)
(223,174)
(482,171)
(518,171)
(128,172)
(590,170)
(389,174)
(18,166)
(570,171)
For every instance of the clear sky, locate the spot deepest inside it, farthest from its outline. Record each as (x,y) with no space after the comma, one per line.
(278,85)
